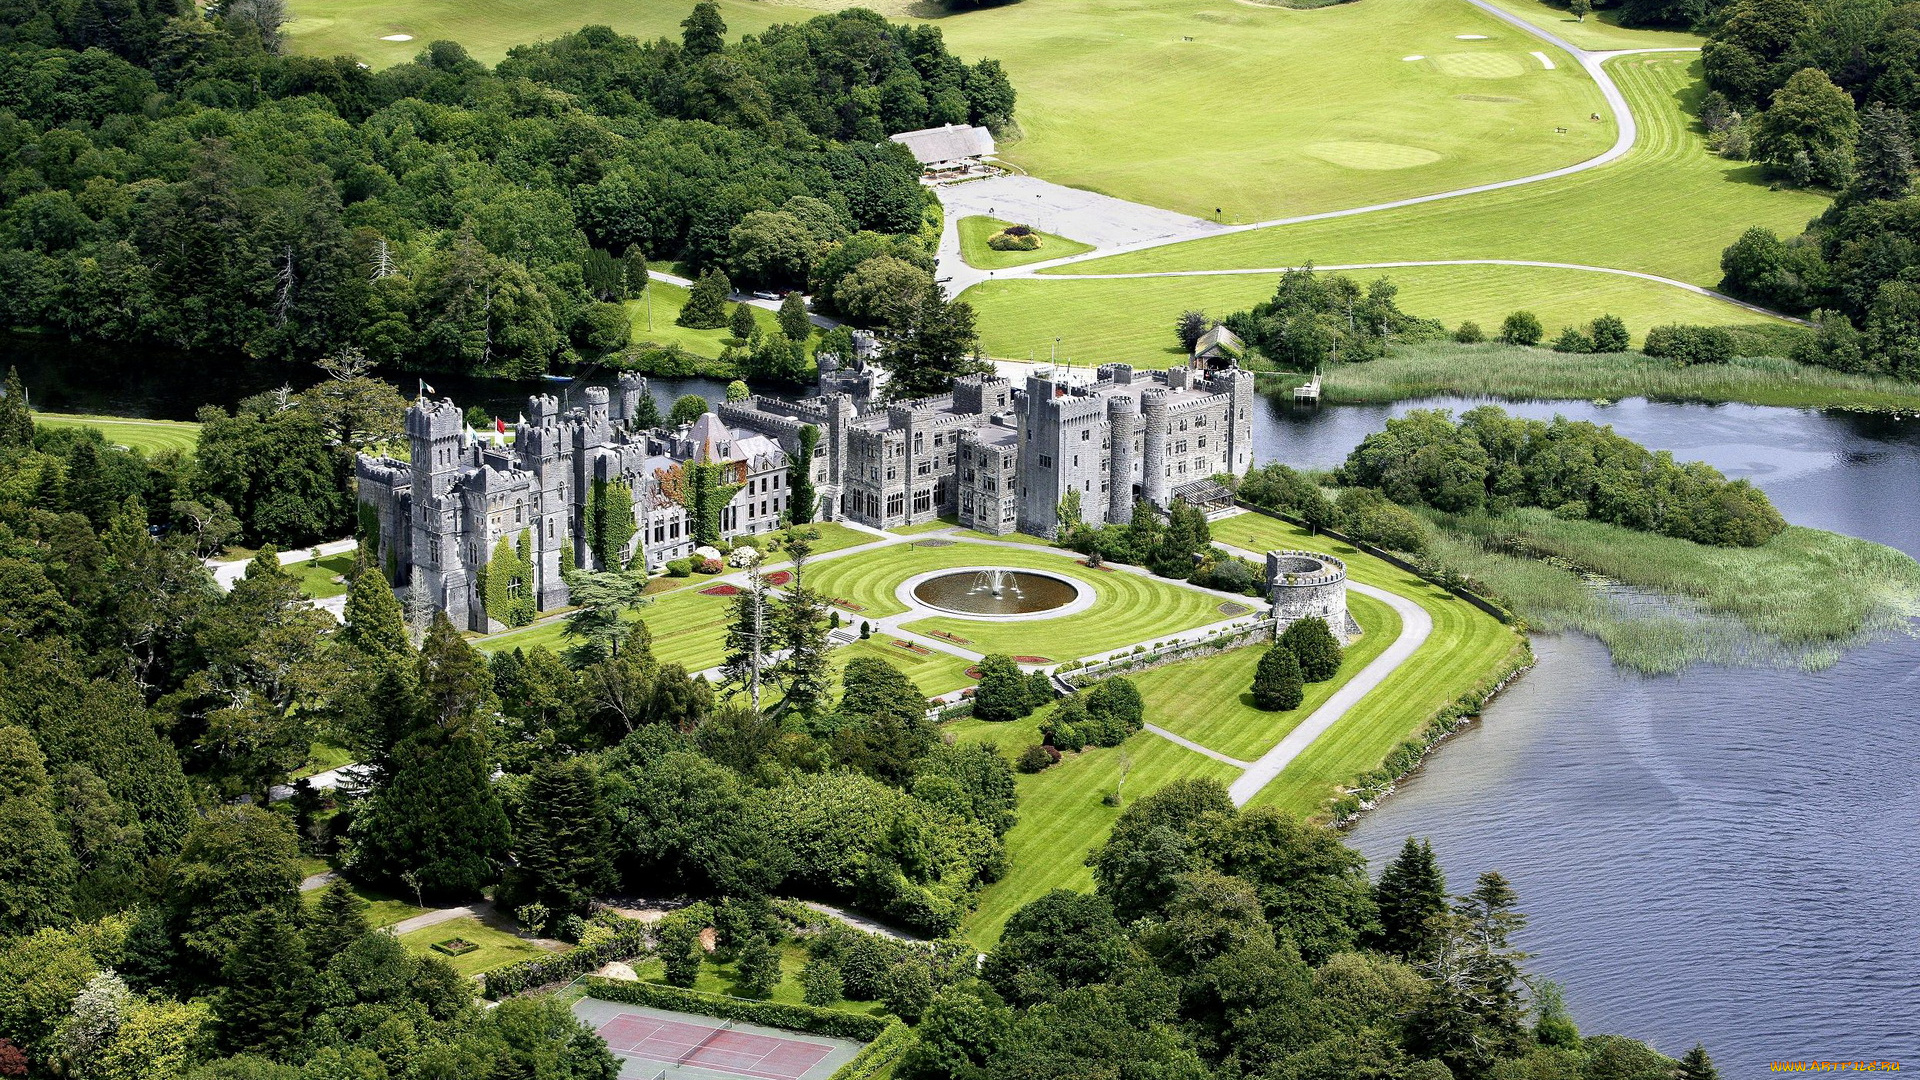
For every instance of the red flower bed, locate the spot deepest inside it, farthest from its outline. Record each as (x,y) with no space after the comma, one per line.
(914,648)
(719,590)
(1031,660)
(779,577)
(973,672)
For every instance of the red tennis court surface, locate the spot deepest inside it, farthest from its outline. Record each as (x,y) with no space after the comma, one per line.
(701,1046)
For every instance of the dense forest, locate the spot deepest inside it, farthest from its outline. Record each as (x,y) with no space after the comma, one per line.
(172,179)
(1825,92)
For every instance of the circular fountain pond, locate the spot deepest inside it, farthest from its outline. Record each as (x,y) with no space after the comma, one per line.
(995,592)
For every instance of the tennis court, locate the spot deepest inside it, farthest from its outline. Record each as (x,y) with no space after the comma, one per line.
(654,1044)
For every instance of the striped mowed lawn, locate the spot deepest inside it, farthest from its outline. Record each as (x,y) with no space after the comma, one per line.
(1464,649)
(1211,701)
(147,436)
(1668,207)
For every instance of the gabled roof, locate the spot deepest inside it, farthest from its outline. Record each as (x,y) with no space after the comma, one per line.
(953,142)
(1219,341)
(712,440)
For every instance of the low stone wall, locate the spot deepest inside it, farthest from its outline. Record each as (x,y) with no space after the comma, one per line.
(1232,637)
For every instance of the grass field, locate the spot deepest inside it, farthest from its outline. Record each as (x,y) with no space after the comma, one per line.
(498,948)
(668,299)
(1062,816)
(1537,374)
(1131,320)
(147,436)
(1211,701)
(381,908)
(1668,207)
(316,577)
(1130,608)
(688,629)
(1601,31)
(718,976)
(975,231)
(1466,645)
(1168,102)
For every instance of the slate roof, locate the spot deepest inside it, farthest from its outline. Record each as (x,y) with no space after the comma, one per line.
(954,142)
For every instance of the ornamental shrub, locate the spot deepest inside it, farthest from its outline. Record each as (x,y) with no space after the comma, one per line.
(1003,693)
(1609,334)
(1115,706)
(1036,758)
(1521,328)
(1314,646)
(680,568)
(1690,344)
(1277,685)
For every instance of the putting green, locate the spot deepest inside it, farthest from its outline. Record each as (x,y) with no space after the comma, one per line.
(1668,207)
(1482,65)
(1371,155)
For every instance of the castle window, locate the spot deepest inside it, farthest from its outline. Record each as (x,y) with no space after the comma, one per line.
(896,504)
(939,440)
(922,501)
(1046,461)
(1203,442)
(1199,421)
(1076,461)
(1085,434)
(924,468)
(1180,447)
(513,588)
(892,473)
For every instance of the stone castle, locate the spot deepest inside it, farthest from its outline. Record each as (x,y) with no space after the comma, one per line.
(998,458)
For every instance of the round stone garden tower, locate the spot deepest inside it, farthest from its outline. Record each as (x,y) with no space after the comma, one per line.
(1307,584)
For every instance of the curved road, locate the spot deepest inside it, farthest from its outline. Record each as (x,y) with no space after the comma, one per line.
(960,276)
(1415,626)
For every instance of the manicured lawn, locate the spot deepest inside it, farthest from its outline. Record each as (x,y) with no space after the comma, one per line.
(937,674)
(833,537)
(1131,320)
(926,526)
(1188,104)
(149,436)
(975,232)
(498,948)
(1465,647)
(1667,208)
(688,629)
(1600,32)
(323,577)
(321,757)
(1130,607)
(382,908)
(1062,817)
(1211,701)
(719,976)
(668,299)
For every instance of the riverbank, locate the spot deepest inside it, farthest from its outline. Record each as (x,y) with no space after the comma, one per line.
(1662,605)
(1518,373)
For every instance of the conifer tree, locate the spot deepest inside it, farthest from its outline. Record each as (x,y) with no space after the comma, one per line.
(36,867)
(339,922)
(751,637)
(373,623)
(704,32)
(1696,1065)
(266,991)
(647,416)
(1411,890)
(1883,153)
(1143,532)
(740,324)
(1276,681)
(1315,647)
(562,842)
(706,306)
(634,261)
(793,317)
(16,419)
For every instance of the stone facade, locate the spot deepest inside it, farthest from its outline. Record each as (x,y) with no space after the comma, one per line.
(1306,585)
(1001,458)
(441,513)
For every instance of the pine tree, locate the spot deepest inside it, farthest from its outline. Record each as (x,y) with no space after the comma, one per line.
(1276,681)
(1411,890)
(1143,532)
(267,990)
(339,922)
(647,416)
(1187,535)
(759,967)
(562,843)
(1696,1065)
(36,867)
(1314,645)
(16,419)
(805,671)
(1494,983)
(793,317)
(1883,166)
(373,623)
(634,261)
(751,637)
(706,306)
(741,324)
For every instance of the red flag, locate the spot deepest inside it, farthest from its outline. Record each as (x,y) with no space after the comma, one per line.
(499,425)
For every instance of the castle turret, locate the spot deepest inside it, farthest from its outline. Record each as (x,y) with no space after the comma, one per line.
(631,387)
(1120,430)
(1153,455)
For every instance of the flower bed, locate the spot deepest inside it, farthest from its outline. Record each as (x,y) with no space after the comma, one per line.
(1102,567)
(779,577)
(948,635)
(845,605)
(719,590)
(1230,608)
(1032,660)
(455,947)
(919,650)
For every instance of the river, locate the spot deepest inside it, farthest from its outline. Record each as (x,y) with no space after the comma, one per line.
(1731,856)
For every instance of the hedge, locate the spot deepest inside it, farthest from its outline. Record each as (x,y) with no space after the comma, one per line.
(628,940)
(876,1054)
(817,1021)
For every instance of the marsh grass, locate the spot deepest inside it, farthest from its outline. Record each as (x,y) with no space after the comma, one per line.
(1510,371)
(1662,605)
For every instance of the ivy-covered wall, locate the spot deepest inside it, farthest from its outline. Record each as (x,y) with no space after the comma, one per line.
(507,584)
(609,523)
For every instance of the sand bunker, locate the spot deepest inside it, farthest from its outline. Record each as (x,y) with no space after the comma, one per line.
(1416,56)
(1469,37)
(398,37)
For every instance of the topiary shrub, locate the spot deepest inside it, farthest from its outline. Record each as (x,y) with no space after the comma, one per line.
(1014,238)
(1315,647)
(1277,685)
(680,568)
